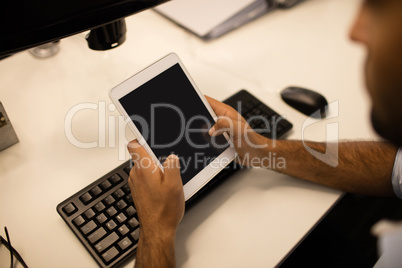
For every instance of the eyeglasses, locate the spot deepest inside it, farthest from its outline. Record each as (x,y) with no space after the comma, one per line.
(13,252)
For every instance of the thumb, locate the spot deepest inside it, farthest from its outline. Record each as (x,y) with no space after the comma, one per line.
(223,124)
(171,167)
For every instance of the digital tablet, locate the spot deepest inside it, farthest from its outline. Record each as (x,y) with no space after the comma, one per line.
(169,115)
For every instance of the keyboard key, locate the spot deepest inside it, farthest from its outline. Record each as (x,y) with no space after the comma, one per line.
(283,123)
(98,234)
(105,185)
(89,227)
(126,189)
(110,254)
(86,198)
(267,117)
(257,111)
(258,120)
(131,211)
(69,209)
(136,234)
(79,221)
(278,129)
(89,213)
(109,200)
(119,194)
(111,225)
(247,105)
(133,222)
(111,211)
(115,179)
(96,191)
(121,204)
(127,170)
(253,125)
(121,218)
(128,199)
(248,115)
(266,110)
(100,206)
(123,229)
(123,244)
(101,218)
(106,242)
(254,102)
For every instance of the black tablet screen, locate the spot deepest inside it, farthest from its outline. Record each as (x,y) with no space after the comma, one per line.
(173,120)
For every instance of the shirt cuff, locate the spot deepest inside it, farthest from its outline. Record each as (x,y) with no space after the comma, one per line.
(397,174)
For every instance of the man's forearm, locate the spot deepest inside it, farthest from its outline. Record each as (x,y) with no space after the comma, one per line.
(363,167)
(154,252)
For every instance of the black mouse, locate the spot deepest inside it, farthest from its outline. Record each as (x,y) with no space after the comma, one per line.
(305,101)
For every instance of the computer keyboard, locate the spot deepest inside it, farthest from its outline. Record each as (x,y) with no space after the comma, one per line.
(103,215)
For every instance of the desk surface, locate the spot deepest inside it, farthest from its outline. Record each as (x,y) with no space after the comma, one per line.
(251,220)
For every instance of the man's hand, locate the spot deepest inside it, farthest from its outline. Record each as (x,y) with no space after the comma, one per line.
(159,200)
(364,167)
(250,146)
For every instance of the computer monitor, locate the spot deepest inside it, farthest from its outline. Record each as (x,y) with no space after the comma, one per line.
(29,23)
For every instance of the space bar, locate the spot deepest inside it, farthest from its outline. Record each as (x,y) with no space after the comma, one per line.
(110,239)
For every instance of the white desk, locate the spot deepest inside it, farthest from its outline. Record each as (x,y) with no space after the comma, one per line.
(254,218)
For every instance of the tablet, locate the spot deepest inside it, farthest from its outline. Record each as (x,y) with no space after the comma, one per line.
(169,115)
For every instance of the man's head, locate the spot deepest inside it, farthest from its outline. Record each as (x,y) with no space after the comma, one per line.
(379,28)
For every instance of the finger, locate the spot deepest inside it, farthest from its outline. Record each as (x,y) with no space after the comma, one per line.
(143,163)
(135,149)
(224,124)
(171,167)
(220,108)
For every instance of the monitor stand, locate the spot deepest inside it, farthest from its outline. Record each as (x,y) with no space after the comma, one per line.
(46,50)
(7,133)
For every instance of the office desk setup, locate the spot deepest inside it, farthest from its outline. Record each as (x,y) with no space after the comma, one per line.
(255,217)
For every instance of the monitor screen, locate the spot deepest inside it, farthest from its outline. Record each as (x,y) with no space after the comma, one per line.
(25,24)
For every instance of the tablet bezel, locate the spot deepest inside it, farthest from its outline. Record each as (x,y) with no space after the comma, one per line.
(133,83)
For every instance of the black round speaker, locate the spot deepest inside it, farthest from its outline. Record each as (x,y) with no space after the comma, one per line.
(107,36)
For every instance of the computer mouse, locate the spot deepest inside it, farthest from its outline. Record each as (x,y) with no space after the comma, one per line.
(305,101)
